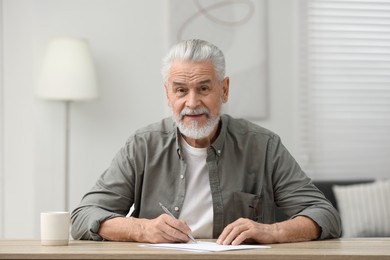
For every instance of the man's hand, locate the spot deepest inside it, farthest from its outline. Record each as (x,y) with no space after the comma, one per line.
(246,230)
(300,228)
(163,229)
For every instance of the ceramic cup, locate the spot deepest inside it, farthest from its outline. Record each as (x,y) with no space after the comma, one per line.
(55,228)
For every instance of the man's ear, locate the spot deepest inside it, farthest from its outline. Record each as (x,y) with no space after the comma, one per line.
(225,89)
(167,94)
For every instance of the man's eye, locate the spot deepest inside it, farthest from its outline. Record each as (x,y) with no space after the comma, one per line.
(180,91)
(204,89)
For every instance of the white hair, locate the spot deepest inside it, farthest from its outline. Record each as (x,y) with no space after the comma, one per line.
(198,51)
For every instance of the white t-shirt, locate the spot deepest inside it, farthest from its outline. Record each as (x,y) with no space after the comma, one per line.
(197,209)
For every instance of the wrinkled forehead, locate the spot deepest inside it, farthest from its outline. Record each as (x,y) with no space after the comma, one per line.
(191,70)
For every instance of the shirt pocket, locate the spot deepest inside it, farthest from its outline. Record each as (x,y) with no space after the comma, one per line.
(247,205)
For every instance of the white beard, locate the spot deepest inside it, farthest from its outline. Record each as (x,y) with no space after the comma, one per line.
(194,131)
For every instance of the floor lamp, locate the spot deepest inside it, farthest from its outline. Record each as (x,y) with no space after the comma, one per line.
(67,75)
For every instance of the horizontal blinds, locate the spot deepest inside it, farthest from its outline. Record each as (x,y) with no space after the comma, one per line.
(345,89)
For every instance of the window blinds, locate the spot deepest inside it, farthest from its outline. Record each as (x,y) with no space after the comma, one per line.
(345,89)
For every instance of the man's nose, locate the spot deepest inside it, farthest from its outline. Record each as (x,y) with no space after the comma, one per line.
(193,100)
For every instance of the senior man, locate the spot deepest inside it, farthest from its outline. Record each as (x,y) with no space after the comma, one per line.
(219,176)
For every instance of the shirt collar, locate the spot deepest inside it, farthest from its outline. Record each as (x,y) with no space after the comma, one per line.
(217,145)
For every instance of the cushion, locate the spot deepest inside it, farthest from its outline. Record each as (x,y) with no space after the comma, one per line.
(364,209)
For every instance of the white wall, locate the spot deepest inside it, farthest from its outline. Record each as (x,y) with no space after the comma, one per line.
(127,39)
(1,126)
(18,114)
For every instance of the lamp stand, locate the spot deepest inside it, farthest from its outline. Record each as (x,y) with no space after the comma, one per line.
(66,172)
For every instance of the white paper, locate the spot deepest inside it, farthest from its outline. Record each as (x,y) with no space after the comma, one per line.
(202,246)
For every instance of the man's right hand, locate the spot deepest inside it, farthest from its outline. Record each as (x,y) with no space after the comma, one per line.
(163,229)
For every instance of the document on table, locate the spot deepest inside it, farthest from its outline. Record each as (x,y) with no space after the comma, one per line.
(203,246)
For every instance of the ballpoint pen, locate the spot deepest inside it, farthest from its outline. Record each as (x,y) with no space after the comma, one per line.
(170,214)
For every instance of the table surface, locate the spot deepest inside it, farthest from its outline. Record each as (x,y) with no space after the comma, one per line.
(356,248)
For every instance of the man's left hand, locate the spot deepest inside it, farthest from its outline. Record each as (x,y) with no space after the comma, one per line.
(246,230)
(300,228)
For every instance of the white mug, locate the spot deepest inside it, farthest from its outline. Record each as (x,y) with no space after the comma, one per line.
(55,228)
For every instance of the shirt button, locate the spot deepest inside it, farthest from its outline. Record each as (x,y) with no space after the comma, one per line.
(176,208)
(219,151)
(182,176)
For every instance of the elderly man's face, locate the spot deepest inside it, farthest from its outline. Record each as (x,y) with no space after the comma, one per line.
(196,96)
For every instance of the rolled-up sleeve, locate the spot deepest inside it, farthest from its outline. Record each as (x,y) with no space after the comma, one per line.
(111,196)
(296,195)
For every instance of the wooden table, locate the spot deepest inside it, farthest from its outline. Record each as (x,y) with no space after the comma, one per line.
(358,248)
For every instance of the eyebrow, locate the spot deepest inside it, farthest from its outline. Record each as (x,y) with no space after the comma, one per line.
(177,83)
(204,81)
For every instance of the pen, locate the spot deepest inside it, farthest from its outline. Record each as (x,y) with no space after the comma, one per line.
(170,214)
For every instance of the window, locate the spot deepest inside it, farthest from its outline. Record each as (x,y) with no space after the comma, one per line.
(345,88)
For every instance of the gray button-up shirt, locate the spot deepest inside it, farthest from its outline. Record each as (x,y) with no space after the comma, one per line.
(250,172)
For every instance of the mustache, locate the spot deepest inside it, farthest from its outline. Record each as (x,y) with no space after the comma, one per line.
(196,111)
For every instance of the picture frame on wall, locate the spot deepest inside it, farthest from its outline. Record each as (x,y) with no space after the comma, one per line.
(238,28)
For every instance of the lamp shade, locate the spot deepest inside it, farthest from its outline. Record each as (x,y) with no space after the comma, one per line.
(68,71)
